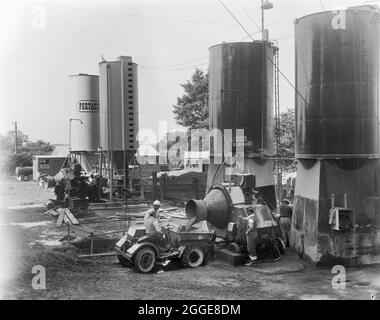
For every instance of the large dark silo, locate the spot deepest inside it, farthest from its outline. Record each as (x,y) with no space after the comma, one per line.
(241,97)
(241,92)
(338,75)
(337,137)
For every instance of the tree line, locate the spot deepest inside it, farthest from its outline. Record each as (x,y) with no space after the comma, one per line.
(10,159)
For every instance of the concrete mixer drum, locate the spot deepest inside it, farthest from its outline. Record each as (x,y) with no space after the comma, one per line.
(227,208)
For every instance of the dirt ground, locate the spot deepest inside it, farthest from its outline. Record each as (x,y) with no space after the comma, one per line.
(29,238)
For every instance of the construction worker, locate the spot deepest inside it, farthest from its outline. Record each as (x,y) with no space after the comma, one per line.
(151,221)
(151,218)
(251,234)
(286,213)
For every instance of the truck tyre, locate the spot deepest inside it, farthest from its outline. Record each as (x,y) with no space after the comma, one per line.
(145,260)
(124,261)
(193,257)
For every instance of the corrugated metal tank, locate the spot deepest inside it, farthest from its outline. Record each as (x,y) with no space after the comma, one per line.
(337,74)
(118,104)
(241,92)
(85,106)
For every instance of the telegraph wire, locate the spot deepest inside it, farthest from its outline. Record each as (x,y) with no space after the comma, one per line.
(172,69)
(249,17)
(270,60)
(138,15)
(233,16)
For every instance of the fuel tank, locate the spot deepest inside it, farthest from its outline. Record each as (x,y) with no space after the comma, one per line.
(337,77)
(241,93)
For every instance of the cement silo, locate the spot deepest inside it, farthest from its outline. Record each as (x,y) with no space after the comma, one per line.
(241,98)
(118,114)
(337,198)
(84,123)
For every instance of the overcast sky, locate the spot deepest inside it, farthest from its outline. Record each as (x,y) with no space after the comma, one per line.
(167,38)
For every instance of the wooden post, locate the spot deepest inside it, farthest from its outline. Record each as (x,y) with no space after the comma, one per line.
(154,184)
(68,232)
(195,184)
(345,200)
(142,196)
(92,243)
(332,200)
(162,186)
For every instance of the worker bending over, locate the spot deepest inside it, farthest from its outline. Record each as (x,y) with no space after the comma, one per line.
(151,218)
(152,226)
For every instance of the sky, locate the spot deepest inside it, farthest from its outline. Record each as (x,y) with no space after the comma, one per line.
(43,42)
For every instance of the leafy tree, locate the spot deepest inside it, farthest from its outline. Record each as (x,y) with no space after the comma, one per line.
(286,134)
(7,142)
(191,110)
(39,147)
(25,152)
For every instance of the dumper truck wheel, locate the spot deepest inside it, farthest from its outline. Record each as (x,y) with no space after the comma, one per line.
(145,260)
(193,257)
(124,261)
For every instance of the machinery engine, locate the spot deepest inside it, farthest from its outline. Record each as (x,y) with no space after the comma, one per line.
(227,208)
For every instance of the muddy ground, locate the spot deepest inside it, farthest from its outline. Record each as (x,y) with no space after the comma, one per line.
(29,238)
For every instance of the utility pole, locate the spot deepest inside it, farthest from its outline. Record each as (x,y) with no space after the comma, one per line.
(16,137)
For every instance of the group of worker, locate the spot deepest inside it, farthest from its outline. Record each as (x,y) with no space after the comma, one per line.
(151,221)
(81,187)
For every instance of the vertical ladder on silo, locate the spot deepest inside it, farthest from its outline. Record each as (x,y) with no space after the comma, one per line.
(277,115)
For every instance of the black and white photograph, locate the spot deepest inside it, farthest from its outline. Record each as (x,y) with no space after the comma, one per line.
(192,155)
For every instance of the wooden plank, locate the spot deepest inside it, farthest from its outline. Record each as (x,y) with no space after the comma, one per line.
(60,219)
(66,219)
(84,229)
(105,254)
(70,216)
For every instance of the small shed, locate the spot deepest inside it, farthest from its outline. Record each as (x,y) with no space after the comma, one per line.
(47,165)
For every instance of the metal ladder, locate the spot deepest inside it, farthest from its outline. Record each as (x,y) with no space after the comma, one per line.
(277,111)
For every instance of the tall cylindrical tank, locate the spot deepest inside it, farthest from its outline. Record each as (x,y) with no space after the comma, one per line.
(118,105)
(241,92)
(337,77)
(84,126)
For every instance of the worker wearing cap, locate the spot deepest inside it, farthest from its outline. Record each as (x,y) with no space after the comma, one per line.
(286,213)
(151,218)
(152,227)
(251,235)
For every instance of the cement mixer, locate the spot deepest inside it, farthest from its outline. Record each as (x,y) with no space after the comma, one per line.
(227,208)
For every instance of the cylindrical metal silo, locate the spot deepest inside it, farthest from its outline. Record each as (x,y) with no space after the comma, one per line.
(241,92)
(337,76)
(337,194)
(84,134)
(241,98)
(118,105)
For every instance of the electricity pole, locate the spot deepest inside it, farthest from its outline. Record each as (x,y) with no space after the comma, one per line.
(16,137)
